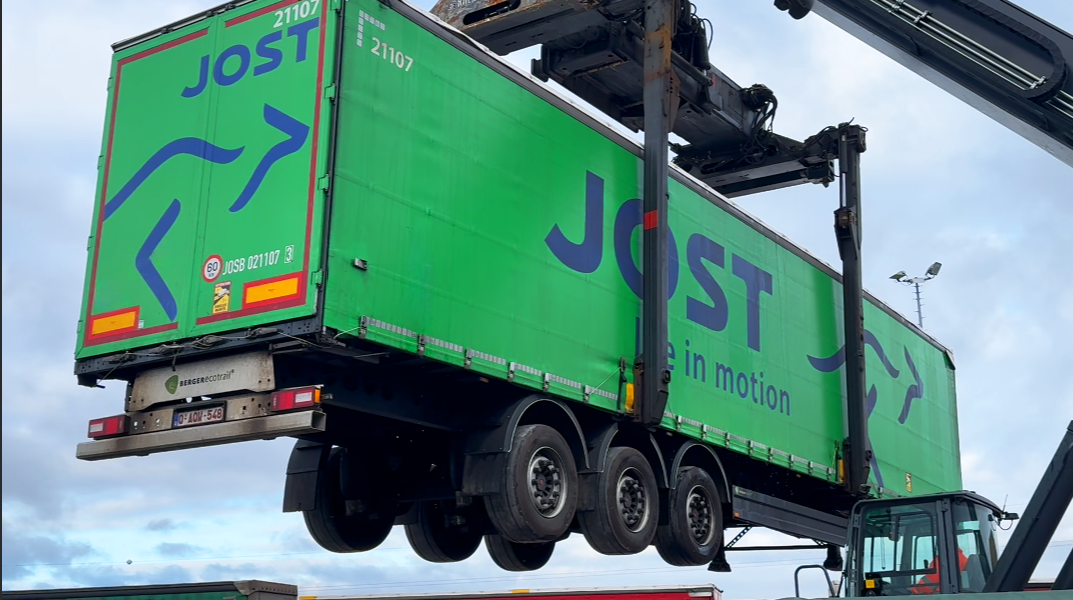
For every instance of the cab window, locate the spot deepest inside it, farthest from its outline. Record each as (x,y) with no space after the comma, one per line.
(899,550)
(974,527)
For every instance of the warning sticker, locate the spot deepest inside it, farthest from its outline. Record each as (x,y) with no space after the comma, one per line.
(221,298)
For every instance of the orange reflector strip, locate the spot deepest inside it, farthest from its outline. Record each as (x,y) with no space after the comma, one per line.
(271,290)
(114,321)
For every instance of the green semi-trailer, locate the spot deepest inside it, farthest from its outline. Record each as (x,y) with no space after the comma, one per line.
(346,223)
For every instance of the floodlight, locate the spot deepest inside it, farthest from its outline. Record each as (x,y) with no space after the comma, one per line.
(903,279)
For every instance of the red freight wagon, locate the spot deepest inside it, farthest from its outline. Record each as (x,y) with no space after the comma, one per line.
(675,592)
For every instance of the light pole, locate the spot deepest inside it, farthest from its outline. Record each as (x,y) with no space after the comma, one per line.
(901,277)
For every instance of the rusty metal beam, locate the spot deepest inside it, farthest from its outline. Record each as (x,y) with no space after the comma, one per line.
(660,98)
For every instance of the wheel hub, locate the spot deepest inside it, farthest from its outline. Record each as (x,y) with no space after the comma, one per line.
(632,500)
(546,484)
(699,515)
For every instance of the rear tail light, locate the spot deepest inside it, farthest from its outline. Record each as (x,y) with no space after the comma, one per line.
(108,426)
(296,398)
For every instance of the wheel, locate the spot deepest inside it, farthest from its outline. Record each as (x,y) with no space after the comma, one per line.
(538,489)
(342,524)
(627,505)
(694,529)
(444,536)
(512,556)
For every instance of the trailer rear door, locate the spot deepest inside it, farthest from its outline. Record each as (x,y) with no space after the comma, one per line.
(208,213)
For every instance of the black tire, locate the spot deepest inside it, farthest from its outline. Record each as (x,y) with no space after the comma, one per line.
(443,537)
(358,525)
(512,556)
(694,529)
(627,505)
(538,488)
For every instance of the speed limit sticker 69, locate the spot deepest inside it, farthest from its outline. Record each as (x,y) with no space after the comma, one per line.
(214,265)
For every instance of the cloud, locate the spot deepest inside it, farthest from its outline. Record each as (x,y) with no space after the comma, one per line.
(23,551)
(163,525)
(178,550)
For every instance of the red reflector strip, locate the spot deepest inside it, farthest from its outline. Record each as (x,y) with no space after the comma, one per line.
(108,426)
(295,398)
(651,219)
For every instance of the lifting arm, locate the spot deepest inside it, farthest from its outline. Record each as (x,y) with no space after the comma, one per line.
(596,50)
(992,54)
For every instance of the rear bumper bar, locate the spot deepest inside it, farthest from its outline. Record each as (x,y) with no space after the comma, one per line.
(258,428)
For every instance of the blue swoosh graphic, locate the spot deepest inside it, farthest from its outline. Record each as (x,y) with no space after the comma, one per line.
(915,391)
(833,362)
(298,133)
(836,360)
(144,260)
(189,145)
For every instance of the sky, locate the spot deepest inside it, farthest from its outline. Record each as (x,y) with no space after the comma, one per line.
(941,182)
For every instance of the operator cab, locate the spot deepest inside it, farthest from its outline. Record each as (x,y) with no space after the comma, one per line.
(939,543)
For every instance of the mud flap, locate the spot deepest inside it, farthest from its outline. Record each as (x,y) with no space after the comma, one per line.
(306,462)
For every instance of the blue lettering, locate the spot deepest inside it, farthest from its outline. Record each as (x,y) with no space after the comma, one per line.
(756,281)
(243,54)
(273,58)
(274,55)
(715,316)
(203,80)
(301,31)
(586,256)
(712,313)
(626,221)
(700,368)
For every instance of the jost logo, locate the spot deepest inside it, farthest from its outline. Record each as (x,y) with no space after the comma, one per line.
(713,312)
(273,56)
(172,384)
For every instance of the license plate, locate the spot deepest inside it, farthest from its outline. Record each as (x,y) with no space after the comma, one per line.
(213,414)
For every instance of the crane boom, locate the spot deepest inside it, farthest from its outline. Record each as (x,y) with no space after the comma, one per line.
(994,55)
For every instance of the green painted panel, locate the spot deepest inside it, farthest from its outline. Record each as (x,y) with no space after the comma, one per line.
(502,227)
(208,209)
